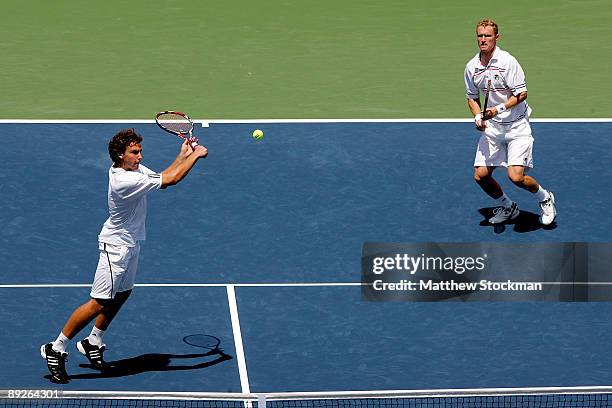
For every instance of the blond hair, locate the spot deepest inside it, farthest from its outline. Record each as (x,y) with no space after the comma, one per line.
(487,22)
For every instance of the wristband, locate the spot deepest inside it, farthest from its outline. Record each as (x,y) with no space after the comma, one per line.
(501,108)
(477,117)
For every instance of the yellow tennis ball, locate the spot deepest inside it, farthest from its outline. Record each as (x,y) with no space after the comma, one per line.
(257,134)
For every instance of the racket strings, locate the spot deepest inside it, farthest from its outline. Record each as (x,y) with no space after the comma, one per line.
(175,123)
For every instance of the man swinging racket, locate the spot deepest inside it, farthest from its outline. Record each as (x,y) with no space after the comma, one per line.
(128,184)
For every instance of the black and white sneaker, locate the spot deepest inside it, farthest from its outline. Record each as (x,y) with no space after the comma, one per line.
(549,211)
(95,354)
(56,363)
(503,214)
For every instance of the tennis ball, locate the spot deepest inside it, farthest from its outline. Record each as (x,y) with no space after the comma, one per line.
(257,134)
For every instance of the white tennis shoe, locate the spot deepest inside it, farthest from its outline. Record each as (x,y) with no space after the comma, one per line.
(549,212)
(503,214)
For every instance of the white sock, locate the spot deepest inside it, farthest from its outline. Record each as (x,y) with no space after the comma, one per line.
(61,343)
(95,337)
(541,194)
(504,201)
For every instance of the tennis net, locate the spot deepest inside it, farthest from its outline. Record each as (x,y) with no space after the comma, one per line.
(547,397)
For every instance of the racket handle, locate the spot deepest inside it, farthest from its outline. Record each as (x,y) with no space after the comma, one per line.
(193,141)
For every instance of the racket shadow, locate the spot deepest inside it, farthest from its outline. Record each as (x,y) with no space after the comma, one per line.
(157,362)
(525,222)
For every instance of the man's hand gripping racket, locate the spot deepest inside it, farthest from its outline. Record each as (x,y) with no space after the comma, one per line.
(177,123)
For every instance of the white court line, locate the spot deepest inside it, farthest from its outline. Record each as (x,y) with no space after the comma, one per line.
(183,285)
(247,285)
(242,368)
(207,122)
(75,121)
(242,285)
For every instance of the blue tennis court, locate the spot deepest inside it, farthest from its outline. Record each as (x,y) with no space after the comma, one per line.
(276,218)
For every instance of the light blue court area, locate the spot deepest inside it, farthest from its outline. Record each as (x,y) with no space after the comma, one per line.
(294,208)
(312,339)
(145,342)
(301,338)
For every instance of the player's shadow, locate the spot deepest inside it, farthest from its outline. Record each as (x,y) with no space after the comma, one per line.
(155,362)
(526,221)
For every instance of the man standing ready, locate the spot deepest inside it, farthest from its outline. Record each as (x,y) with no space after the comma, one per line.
(506,138)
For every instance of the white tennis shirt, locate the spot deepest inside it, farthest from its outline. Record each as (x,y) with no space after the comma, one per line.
(127,205)
(507,79)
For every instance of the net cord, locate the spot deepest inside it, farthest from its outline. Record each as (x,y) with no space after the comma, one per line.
(262,398)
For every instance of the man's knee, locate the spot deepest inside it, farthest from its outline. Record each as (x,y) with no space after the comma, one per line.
(96,306)
(119,299)
(105,305)
(481,174)
(517,178)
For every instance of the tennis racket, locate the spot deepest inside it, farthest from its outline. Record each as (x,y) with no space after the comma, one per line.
(486,100)
(204,341)
(177,123)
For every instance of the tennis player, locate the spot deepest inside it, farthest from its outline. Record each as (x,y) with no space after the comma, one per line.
(128,184)
(506,138)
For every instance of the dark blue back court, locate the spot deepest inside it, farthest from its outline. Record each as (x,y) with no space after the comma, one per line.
(295,207)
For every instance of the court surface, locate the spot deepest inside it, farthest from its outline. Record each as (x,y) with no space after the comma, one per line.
(292,59)
(294,209)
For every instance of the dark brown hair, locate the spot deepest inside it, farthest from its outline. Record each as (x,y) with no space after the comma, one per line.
(123,139)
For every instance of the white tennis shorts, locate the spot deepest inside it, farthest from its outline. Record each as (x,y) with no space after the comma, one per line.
(505,145)
(116,271)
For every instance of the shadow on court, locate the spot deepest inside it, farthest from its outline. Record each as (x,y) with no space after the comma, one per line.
(149,363)
(162,361)
(526,221)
